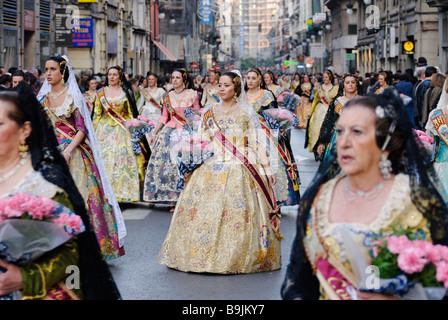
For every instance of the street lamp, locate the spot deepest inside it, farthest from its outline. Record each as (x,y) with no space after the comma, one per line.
(349,8)
(172,18)
(367,2)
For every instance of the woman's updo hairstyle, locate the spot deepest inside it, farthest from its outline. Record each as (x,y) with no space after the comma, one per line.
(330,75)
(383,126)
(62,65)
(217,76)
(236,80)
(259,77)
(272,76)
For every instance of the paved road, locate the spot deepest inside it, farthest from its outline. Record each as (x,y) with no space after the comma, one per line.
(140,277)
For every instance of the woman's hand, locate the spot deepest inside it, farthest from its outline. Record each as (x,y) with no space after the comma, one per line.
(271,178)
(320,149)
(67,155)
(152,138)
(11,280)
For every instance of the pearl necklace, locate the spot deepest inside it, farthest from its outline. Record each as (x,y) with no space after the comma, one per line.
(14,170)
(228,111)
(57,95)
(368,195)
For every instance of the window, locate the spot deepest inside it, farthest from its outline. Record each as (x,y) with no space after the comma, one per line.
(353,22)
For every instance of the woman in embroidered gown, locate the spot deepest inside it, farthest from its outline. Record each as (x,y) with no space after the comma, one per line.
(62,100)
(437,126)
(210,93)
(272,85)
(283,163)
(296,82)
(327,137)
(324,96)
(222,222)
(346,210)
(160,186)
(150,103)
(384,81)
(304,91)
(90,94)
(25,128)
(115,105)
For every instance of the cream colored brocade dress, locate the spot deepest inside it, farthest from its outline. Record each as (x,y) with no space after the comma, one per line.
(221,222)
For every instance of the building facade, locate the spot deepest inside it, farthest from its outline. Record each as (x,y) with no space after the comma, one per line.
(369,35)
(138,35)
(259,20)
(442,7)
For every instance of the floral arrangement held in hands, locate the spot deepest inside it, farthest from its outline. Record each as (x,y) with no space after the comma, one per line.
(402,255)
(31,225)
(280,118)
(138,128)
(190,153)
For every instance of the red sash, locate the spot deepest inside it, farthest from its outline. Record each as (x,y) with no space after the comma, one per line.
(109,110)
(274,211)
(173,113)
(291,166)
(62,134)
(116,116)
(148,97)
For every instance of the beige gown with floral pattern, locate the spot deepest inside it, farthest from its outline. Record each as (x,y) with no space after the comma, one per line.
(221,222)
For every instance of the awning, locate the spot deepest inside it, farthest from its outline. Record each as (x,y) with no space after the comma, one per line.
(165,51)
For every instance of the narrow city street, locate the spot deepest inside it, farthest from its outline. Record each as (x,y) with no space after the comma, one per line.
(140,277)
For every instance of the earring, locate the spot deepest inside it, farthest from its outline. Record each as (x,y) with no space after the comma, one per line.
(385,166)
(23,149)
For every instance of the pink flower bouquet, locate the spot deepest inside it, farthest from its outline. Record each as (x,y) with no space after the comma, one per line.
(189,153)
(280,118)
(414,262)
(288,100)
(427,144)
(31,226)
(138,128)
(193,117)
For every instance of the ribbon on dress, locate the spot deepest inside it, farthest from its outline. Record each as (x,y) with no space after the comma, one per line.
(211,93)
(291,166)
(116,116)
(439,121)
(89,98)
(173,113)
(110,111)
(149,98)
(335,278)
(338,106)
(68,136)
(274,210)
